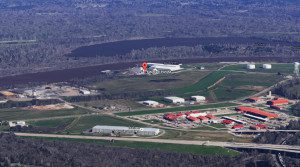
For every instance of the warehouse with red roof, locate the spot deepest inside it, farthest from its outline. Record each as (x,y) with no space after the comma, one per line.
(279,101)
(256,112)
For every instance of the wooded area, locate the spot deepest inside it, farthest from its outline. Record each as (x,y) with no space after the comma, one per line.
(40,152)
(37,35)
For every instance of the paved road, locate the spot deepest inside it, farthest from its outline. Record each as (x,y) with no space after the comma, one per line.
(262,131)
(295,149)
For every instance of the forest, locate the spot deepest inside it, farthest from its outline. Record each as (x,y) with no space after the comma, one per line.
(15,151)
(38,35)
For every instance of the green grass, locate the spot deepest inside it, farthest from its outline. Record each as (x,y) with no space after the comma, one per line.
(175,109)
(178,148)
(87,122)
(218,125)
(251,80)
(226,94)
(153,121)
(282,68)
(204,128)
(52,122)
(202,84)
(19,114)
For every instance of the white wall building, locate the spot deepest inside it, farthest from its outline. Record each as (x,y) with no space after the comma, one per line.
(251,66)
(85,92)
(150,103)
(137,71)
(198,98)
(160,66)
(18,123)
(174,99)
(267,66)
(123,130)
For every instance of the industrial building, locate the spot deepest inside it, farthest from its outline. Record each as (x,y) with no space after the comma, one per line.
(150,103)
(162,67)
(174,99)
(267,66)
(18,123)
(253,99)
(238,126)
(278,101)
(123,130)
(258,126)
(198,98)
(256,112)
(235,120)
(251,66)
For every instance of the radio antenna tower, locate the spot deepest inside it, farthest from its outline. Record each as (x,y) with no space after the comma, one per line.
(297,64)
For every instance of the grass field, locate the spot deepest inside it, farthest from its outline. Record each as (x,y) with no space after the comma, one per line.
(176,109)
(52,122)
(19,114)
(152,82)
(238,79)
(87,122)
(193,149)
(202,84)
(282,68)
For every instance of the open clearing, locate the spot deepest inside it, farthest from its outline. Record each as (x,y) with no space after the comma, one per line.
(19,114)
(52,123)
(154,82)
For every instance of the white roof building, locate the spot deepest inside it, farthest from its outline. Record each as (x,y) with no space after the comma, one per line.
(251,66)
(104,129)
(150,103)
(85,92)
(174,99)
(198,98)
(18,123)
(267,66)
(160,66)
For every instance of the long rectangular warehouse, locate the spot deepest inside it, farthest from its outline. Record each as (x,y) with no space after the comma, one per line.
(256,112)
(123,130)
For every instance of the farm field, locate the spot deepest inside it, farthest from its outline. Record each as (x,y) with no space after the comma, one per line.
(52,122)
(198,150)
(19,114)
(282,68)
(87,122)
(175,109)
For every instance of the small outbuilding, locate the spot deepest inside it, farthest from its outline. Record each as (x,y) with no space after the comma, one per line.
(267,66)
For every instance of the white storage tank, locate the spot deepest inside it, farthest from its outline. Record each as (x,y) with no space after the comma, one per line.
(267,66)
(251,66)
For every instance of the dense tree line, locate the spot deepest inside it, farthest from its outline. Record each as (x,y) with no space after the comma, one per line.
(37,102)
(37,35)
(39,152)
(289,89)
